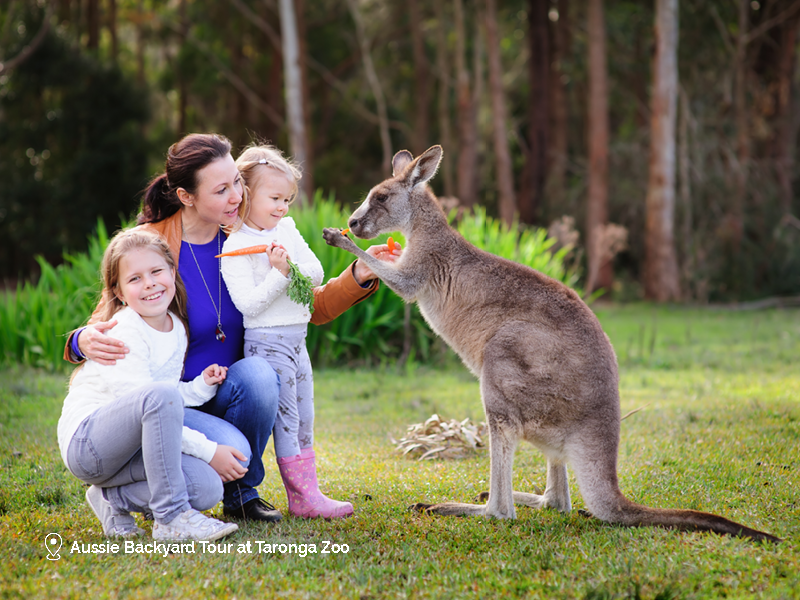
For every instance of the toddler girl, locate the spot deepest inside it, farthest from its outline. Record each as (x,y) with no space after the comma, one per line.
(121,427)
(275,326)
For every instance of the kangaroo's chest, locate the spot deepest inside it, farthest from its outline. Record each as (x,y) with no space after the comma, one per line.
(455,327)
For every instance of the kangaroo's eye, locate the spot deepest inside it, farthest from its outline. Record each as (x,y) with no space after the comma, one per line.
(380,197)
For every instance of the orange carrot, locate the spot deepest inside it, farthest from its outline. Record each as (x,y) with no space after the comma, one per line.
(345,230)
(244,251)
(391,244)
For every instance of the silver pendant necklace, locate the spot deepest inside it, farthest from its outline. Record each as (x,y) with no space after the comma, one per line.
(217,311)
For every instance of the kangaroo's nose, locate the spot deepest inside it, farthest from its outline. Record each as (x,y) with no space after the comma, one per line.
(352,223)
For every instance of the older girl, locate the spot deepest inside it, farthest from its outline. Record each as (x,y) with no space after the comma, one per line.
(121,428)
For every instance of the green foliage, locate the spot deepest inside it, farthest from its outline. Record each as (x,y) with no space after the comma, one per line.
(719,435)
(71,145)
(36,317)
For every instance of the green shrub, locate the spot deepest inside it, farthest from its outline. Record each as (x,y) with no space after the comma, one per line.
(35,319)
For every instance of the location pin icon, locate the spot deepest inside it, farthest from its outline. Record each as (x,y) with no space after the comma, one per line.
(52,542)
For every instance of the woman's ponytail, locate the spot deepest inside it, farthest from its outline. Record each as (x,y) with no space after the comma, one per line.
(159,202)
(185,159)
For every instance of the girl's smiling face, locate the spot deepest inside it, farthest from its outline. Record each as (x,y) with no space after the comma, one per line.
(147,284)
(271,193)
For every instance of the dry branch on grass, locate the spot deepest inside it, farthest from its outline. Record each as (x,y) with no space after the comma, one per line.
(437,438)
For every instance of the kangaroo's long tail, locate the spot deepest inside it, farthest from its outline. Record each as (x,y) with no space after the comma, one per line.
(600,491)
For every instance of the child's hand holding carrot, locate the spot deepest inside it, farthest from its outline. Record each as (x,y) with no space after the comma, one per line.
(279,258)
(214,374)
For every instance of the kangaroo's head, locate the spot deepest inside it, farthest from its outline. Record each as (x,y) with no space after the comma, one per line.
(392,204)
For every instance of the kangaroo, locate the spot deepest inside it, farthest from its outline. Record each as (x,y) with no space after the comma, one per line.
(547,371)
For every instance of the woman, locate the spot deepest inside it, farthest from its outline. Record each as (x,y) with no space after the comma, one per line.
(192,204)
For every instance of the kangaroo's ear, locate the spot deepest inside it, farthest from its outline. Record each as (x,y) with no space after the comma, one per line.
(426,165)
(400,161)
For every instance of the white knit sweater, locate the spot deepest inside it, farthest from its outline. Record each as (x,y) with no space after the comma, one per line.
(258,290)
(154,356)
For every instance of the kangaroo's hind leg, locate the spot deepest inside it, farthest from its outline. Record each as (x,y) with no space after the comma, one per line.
(503,438)
(556,494)
(501,503)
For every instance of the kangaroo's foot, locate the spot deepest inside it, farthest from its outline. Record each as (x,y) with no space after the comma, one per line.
(537,500)
(460,509)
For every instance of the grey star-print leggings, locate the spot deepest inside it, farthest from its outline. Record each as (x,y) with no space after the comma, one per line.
(284,348)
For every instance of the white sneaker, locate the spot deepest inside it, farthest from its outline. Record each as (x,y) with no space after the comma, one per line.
(193,525)
(116,523)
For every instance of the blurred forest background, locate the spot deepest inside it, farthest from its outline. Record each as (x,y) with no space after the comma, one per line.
(657,138)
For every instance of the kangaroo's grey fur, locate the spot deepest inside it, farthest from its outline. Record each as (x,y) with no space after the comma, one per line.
(548,373)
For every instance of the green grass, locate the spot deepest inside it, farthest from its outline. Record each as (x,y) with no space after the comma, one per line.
(720,432)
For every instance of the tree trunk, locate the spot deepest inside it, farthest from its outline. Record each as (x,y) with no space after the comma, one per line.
(600,274)
(532,189)
(467,126)
(293,87)
(684,168)
(183,100)
(112,29)
(555,195)
(377,90)
(507,202)
(443,101)
(307,183)
(93,24)
(735,221)
(421,80)
(660,267)
(784,118)
(140,43)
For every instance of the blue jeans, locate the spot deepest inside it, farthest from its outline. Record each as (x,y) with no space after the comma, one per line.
(248,400)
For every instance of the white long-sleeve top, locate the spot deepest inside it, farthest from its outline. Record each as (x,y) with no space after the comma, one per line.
(154,356)
(258,290)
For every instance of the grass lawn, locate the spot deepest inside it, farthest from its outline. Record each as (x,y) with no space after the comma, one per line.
(719,432)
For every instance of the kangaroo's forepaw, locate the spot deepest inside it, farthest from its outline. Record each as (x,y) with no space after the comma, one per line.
(334,237)
(419,507)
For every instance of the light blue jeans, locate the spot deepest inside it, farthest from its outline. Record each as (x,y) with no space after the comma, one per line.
(131,447)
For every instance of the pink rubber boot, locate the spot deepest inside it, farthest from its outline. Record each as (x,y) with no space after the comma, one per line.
(299,474)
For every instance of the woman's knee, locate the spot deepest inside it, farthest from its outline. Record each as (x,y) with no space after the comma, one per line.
(258,382)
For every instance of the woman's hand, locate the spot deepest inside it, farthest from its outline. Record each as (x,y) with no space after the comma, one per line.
(101,348)
(279,259)
(363,273)
(226,465)
(214,374)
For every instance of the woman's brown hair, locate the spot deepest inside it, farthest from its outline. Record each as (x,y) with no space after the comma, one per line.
(185,159)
